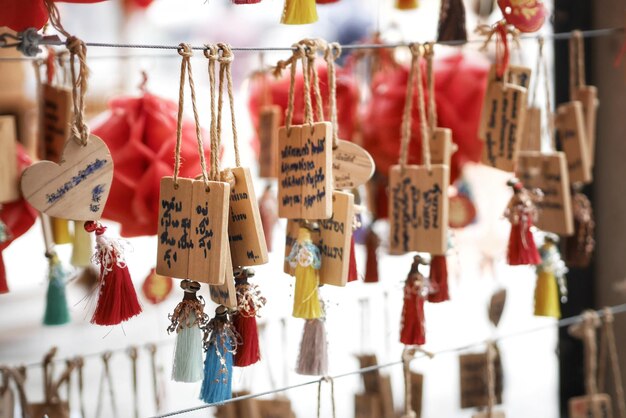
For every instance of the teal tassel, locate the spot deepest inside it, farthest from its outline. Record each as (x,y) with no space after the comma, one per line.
(57,312)
(218,365)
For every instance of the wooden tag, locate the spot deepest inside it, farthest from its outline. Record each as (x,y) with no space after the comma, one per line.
(531,136)
(572,136)
(57,112)
(596,406)
(485,414)
(248,408)
(276,408)
(245,231)
(370,379)
(291,235)
(441,146)
(418,209)
(305,172)
(588,97)
(417,385)
(515,74)
(334,240)
(501,124)
(174,229)
(49,410)
(367,405)
(548,172)
(225,294)
(77,188)
(209,231)
(7,404)
(352,165)
(9,184)
(473,369)
(269,118)
(496,306)
(386,397)
(228,410)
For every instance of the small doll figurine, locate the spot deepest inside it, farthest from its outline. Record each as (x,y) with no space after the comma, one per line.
(412,330)
(306,259)
(522,213)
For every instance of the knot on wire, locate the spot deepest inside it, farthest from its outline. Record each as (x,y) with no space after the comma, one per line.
(184,50)
(416,49)
(75,45)
(211,52)
(429,49)
(227,53)
(277,71)
(332,51)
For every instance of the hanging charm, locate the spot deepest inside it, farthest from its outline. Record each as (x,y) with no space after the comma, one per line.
(220,344)
(412,329)
(117,299)
(550,279)
(188,321)
(522,213)
(305,258)
(249,302)
(579,247)
(57,312)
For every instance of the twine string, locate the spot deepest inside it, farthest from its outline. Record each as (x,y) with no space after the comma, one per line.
(331,54)
(226,61)
(408,108)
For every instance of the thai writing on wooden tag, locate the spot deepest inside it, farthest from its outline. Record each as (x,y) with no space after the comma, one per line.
(501,124)
(305,172)
(77,188)
(548,172)
(245,232)
(588,97)
(441,146)
(192,230)
(352,165)
(515,74)
(57,112)
(418,209)
(225,294)
(9,184)
(334,240)
(573,140)
(473,369)
(531,137)
(269,118)
(596,406)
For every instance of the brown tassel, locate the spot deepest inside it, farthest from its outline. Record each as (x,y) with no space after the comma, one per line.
(452,21)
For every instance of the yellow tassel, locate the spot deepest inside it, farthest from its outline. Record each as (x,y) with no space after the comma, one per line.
(61,231)
(299,12)
(547,295)
(306,303)
(82,247)
(407,4)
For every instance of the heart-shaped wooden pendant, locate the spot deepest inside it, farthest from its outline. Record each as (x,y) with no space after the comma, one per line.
(352,165)
(77,188)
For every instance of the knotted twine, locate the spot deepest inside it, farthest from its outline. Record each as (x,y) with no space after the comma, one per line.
(211,52)
(331,53)
(225,61)
(77,48)
(311,47)
(184,50)
(106,377)
(133,354)
(502,30)
(586,330)
(429,53)
(607,344)
(491,378)
(415,76)
(576,62)
(542,69)
(330,380)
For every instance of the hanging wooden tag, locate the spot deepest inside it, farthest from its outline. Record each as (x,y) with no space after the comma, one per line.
(225,294)
(9,176)
(57,114)
(276,408)
(334,240)
(573,140)
(7,403)
(305,172)
(473,369)
(418,209)
(77,188)
(209,231)
(441,146)
(367,405)
(352,165)
(245,231)
(485,414)
(291,236)
(548,172)
(386,397)
(59,409)
(370,379)
(174,229)
(588,97)
(531,136)
(417,389)
(269,118)
(501,124)
(596,406)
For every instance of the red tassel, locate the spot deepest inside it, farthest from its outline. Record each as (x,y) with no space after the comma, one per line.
(438,279)
(521,212)
(371,263)
(117,299)
(249,301)
(353,274)
(412,330)
(4,287)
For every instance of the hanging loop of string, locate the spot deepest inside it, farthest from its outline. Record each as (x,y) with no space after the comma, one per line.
(429,54)
(609,346)
(185,71)
(212,54)
(331,54)
(226,61)
(407,356)
(330,380)
(311,48)
(298,53)
(408,108)
(501,30)
(576,62)
(421,106)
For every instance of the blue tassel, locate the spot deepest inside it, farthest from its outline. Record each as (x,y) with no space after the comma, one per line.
(218,365)
(57,312)
(188,354)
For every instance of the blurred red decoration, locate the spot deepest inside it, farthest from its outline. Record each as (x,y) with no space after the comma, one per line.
(141,135)
(525,15)
(22,14)
(156,288)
